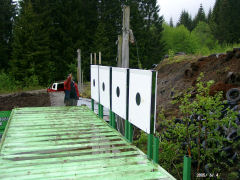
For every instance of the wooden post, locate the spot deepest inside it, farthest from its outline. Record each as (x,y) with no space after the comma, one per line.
(125,36)
(119,63)
(79,70)
(95,58)
(91,58)
(82,82)
(100,58)
(123,61)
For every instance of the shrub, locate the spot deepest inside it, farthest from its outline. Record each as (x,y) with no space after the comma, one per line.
(7,83)
(179,39)
(199,133)
(32,81)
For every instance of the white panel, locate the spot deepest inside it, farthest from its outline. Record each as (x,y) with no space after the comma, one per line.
(94,83)
(104,86)
(119,91)
(140,84)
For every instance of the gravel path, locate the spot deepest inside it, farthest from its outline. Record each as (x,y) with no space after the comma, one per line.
(57,98)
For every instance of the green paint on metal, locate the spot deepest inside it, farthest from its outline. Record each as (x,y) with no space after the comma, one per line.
(156,149)
(110,117)
(187,168)
(4,115)
(113,120)
(126,129)
(69,143)
(150,146)
(130,132)
(99,110)
(92,104)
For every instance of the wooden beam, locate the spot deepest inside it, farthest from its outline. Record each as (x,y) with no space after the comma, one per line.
(125,36)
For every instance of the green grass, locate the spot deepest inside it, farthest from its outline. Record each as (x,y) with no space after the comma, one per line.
(203,52)
(218,49)
(180,58)
(19,89)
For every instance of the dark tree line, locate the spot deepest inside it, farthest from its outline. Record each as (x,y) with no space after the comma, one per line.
(7,13)
(189,22)
(223,20)
(43,38)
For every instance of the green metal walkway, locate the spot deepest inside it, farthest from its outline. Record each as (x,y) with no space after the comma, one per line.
(69,143)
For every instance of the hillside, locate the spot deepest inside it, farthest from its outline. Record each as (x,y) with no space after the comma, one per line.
(180,72)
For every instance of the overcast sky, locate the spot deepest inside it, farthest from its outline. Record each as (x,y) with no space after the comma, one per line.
(173,8)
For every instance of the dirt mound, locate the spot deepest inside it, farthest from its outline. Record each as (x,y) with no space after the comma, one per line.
(24,99)
(179,74)
(221,86)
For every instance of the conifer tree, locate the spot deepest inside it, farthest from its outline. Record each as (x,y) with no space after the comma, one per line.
(7,14)
(102,44)
(30,46)
(209,16)
(235,21)
(171,22)
(201,16)
(186,20)
(48,33)
(225,20)
(147,28)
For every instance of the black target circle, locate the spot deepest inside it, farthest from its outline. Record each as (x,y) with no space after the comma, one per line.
(103,86)
(93,82)
(118,91)
(138,99)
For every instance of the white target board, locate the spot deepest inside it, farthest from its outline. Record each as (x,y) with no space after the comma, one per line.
(140,93)
(104,86)
(119,91)
(94,83)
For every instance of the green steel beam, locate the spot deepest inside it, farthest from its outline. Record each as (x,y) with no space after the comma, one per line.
(92,104)
(99,110)
(126,129)
(130,132)
(110,117)
(156,149)
(150,146)
(187,168)
(113,120)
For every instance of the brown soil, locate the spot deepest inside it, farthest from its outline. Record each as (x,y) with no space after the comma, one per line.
(24,99)
(176,77)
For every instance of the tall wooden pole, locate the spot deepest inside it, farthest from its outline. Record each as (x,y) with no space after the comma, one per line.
(79,70)
(91,58)
(95,58)
(119,63)
(82,81)
(125,36)
(100,58)
(123,60)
